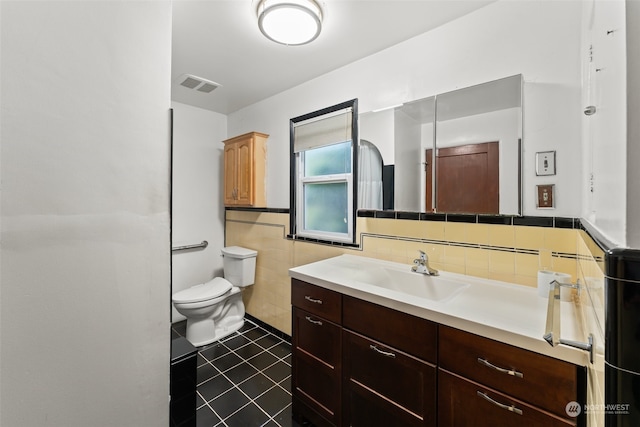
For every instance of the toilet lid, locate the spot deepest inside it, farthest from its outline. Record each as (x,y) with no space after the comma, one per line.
(204,291)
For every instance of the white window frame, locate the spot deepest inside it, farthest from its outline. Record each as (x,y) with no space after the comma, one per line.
(301,182)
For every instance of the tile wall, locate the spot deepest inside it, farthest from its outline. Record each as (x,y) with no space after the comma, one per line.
(591,317)
(507,252)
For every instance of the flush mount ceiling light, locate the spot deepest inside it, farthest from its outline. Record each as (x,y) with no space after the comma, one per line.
(290,22)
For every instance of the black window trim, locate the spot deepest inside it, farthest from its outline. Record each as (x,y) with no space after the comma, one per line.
(353,104)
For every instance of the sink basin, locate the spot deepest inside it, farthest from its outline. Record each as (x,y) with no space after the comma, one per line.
(419,285)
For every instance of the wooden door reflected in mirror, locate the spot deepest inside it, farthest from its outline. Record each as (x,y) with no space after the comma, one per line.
(468,179)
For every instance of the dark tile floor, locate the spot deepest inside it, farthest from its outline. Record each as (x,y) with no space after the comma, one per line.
(244,380)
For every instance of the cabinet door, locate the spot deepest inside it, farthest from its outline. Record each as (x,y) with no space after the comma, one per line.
(316,367)
(245,171)
(463,403)
(230,173)
(384,386)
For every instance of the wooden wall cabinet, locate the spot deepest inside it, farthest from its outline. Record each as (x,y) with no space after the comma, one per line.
(244,170)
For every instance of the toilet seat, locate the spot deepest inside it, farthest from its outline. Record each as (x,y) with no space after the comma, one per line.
(205,291)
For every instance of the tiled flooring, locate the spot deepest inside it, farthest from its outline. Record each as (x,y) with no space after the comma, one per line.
(244,380)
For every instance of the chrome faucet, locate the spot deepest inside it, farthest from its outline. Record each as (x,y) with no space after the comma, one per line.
(422,265)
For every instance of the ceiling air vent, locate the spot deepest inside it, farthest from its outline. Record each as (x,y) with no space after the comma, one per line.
(198,83)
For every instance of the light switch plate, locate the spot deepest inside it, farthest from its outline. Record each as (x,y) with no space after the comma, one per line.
(545,163)
(545,196)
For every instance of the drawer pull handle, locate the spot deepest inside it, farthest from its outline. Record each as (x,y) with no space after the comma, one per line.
(384,353)
(499,369)
(315,322)
(509,408)
(308,298)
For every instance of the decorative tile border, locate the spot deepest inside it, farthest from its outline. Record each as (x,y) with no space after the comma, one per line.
(248,209)
(532,221)
(463,245)
(509,220)
(323,242)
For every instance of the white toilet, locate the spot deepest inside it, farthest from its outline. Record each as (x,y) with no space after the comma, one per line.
(215,309)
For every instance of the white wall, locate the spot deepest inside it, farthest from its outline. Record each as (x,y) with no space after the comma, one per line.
(633,124)
(85,308)
(605,133)
(198,211)
(540,39)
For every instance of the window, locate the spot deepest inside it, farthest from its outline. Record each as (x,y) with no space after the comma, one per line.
(323,167)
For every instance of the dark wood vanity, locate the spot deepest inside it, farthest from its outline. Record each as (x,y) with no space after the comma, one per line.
(356,363)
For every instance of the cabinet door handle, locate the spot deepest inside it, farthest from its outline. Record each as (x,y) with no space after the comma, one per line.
(509,408)
(511,372)
(315,322)
(317,301)
(384,353)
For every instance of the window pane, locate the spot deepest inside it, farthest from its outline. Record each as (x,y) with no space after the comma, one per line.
(326,207)
(332,159)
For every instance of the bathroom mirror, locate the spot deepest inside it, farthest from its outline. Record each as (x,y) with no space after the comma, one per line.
(402,135)
(435,149)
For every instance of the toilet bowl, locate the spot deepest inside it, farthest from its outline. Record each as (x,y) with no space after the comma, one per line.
(215,309)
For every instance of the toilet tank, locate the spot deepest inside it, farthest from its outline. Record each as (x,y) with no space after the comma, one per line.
(239,265)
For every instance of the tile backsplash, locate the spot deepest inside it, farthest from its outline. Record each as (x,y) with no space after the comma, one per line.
(506,252)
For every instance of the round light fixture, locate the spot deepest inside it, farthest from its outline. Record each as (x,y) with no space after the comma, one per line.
(290,22)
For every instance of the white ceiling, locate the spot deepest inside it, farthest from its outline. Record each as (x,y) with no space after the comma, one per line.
(219,40)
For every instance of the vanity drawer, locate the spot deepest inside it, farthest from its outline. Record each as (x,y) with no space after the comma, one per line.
(463,403)
(408,333)
(316,300)
(317,336)
(384,380)
(531,377)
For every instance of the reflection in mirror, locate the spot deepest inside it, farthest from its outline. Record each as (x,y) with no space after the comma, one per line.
(378,132)
(401,134)
(414,133)
(370,168)
(477,156)
(478,125)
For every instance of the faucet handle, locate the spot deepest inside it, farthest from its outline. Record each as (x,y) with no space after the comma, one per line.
(423,254)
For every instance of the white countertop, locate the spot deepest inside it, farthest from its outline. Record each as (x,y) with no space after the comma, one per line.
(501,311)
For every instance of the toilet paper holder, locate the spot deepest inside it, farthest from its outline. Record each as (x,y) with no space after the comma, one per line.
(552,335)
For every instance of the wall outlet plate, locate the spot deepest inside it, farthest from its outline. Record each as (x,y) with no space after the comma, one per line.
(545,163)
(545,196)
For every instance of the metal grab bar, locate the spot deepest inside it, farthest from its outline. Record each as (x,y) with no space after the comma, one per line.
(552,335)
(202,245)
